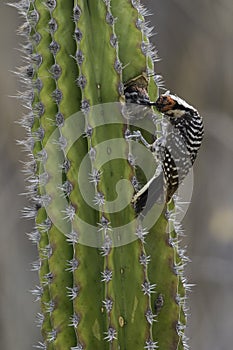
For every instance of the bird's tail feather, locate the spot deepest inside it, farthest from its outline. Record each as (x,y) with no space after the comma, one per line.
(154,193)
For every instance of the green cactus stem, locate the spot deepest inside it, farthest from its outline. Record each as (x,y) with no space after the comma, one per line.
(106,281)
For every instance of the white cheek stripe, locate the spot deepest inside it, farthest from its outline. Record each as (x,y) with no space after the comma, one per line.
(176,112)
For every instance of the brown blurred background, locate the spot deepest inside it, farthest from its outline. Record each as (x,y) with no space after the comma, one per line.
(195,43)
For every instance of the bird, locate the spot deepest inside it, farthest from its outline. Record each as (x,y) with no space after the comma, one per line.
(176,150)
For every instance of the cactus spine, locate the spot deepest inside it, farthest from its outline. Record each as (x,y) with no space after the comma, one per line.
(107,295)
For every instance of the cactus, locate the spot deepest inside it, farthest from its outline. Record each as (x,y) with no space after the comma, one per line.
(105,281)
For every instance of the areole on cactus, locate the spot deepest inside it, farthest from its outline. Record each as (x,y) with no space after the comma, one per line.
(107,281)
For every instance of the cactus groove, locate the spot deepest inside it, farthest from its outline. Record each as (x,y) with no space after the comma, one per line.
(106,294)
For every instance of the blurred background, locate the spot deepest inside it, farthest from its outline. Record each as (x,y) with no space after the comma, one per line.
(195,44)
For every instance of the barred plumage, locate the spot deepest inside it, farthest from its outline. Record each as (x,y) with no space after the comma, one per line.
(177,150)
